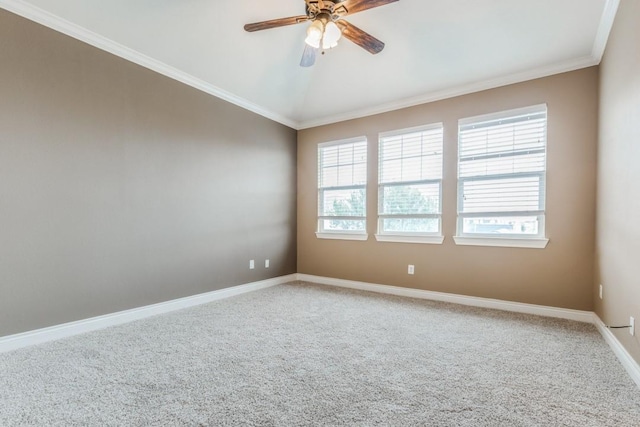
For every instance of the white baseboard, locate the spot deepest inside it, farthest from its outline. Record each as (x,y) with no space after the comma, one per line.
(38,336)
(629,364)
(621,353)
(518,307)
(13,342)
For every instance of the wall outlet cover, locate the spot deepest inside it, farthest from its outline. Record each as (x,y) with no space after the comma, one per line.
(252,264)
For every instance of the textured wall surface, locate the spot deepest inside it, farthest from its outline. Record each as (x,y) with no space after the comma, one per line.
(618,224)
(560,275)
(120,187)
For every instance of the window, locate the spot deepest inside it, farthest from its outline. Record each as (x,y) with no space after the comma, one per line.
(410,185)
(342,196)
(501,177)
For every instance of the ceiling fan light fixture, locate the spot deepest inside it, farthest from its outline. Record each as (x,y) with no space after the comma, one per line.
(331,35)
(323,33)
(314,34)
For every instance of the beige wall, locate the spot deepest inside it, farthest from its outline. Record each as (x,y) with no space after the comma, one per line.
(120,187)
(560,275)
(618,225)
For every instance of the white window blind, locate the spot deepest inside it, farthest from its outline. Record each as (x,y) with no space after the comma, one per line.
(410,181)
(501,174)
(342,179)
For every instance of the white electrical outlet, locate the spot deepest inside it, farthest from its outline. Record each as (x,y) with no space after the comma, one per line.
(600,290)
(411,269)
(632,329)
(252,264)
(266,263)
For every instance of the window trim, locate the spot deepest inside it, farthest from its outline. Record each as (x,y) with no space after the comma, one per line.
(337,234)
(504,114)
(538,240)
(501,241)
(409,237)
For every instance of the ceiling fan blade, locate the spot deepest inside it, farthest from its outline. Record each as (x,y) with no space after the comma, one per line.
(308,56)
(359,37)
(281,22)
(354,6)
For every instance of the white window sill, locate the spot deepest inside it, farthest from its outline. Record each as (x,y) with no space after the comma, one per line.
(506,242)
(342,236)
(433,240)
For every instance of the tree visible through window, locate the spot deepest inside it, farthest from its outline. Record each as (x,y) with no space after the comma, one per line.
(410,181)
(342,178)
(352,207)
(400,199)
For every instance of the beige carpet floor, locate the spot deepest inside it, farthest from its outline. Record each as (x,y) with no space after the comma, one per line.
(304,354)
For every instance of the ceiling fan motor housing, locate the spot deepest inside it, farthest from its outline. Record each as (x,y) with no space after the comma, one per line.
(332,8)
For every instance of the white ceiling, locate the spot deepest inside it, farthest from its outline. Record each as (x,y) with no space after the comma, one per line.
(434,48)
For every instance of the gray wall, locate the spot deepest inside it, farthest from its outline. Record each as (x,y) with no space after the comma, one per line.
(120,187)
(618,224)
(560,275)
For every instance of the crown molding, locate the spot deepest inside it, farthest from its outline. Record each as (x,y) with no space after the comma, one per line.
(604,29)
(56,23)
(70,29)
(600,42)
(558,68)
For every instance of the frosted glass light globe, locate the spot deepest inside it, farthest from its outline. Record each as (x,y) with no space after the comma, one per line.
(314,34)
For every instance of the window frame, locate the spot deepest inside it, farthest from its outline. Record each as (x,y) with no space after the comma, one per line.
(322,233)
(403,236)
(538,240)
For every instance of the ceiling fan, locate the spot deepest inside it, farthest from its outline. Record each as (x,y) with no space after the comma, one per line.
(327,26)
